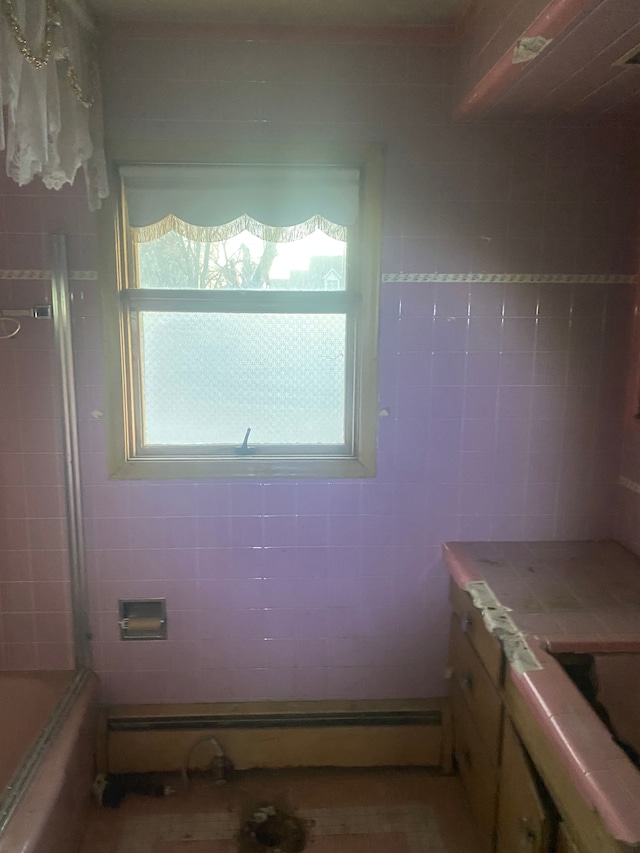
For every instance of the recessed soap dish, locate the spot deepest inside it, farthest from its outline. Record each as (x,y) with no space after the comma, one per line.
(143,619)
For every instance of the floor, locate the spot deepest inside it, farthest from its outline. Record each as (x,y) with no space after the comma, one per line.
(347,811)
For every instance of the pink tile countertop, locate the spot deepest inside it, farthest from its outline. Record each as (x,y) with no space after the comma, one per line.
(568,596)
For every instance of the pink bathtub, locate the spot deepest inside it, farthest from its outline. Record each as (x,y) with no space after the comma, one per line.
(27,700)
(47,745)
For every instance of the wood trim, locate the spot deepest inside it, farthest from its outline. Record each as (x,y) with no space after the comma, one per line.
(302,734)
(300,720)
(364,250)
(471,682)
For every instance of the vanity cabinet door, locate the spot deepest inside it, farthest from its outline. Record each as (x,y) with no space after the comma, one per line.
(478,772)
(470,680)
(486,645)
(565,844)
(523,825)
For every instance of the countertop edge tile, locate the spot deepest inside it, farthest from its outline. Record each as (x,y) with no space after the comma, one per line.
(606,779)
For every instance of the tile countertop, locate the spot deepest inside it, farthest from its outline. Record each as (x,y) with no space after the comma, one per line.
(568,596)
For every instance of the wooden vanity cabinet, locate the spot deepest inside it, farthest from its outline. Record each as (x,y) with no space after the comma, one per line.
(523,822)
(564,843)
(497,776)
(484,644)
(475,669)
(472,686)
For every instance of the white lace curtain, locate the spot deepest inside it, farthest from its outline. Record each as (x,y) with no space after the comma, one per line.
(50,95)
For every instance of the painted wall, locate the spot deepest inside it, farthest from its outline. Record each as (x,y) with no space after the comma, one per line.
(504,400)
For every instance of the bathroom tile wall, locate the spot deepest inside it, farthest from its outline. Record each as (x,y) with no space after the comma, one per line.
(500,402)
(35,617)
(627,528)
(35,628)
(307,590)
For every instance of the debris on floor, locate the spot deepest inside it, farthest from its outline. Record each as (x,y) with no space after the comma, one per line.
(110,789)
(269,827)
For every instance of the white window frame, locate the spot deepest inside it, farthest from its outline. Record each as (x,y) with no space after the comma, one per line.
(128,457)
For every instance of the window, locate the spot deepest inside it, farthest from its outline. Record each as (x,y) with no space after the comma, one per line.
(241,312)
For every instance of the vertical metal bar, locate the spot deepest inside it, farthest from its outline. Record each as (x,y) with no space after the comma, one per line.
(61,299)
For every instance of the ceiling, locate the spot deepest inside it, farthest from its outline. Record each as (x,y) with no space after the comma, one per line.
(349,13)
(575,75)
(578,74)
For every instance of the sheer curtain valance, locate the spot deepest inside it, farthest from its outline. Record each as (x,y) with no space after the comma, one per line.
(50,94)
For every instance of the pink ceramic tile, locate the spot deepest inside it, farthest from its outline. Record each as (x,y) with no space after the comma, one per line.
(18,627)
(213,532)
(249,684)
(14,566)
(614,791)
(312,530)
(279,499)
(51,596)
(45,502)
(52,628)
(549,693)
(463,568)
(279,530)
(585,743)
(49,565)
(14,533)
(486,182)
(17,597)
(13,502)
(55,656)
(47,533)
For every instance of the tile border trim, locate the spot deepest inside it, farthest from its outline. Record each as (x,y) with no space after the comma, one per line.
(626,483)
(397,277)
(509,278)
(40,275)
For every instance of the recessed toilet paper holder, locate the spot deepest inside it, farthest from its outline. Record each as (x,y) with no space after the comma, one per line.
(143,619)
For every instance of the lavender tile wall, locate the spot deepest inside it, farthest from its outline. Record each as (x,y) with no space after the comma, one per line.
(35,619)
(314,589)
(502,401)
(35,628)
(627,527)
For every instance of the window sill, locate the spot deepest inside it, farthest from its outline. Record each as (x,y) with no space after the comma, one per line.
(243,468)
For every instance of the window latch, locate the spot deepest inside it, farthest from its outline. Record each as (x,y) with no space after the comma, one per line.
(245,450)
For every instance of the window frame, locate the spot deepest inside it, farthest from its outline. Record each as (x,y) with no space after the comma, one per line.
(126,458)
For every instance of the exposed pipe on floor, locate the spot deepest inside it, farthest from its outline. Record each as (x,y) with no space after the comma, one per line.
(220,766)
